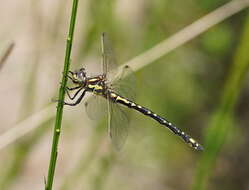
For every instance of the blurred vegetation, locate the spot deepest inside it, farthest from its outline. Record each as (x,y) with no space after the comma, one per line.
(222,121)
(201,87)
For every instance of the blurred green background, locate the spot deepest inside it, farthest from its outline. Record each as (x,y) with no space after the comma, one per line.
(201,87)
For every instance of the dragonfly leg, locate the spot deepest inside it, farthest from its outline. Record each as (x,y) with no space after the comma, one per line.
(70,72)
(73,88)
(68,94)
(77,101)
(70,77)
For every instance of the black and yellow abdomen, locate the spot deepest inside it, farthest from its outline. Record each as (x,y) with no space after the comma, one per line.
(122,100)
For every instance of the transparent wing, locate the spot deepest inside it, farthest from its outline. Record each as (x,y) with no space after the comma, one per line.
(125,83)
(118,124)
(118,116)
(96,107)
(109,65)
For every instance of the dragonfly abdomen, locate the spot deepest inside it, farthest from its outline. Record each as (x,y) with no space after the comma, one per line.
(121,100)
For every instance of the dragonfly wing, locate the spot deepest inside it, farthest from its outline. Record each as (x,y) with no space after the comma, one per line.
(125,83)
(118,124)
(118,116)
(96,107)
(109,65)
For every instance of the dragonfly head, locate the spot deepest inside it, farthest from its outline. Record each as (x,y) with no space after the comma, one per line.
(79,76)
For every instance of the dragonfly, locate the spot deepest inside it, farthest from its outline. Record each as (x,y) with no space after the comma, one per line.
(118,97)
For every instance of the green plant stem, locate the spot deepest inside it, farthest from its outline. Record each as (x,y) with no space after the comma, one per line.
(220,124)
(58,119)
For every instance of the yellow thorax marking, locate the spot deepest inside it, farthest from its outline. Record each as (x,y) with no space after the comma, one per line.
(95,87)
(93,80)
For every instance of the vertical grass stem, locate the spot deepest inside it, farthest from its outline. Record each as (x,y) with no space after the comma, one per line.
(58,119)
